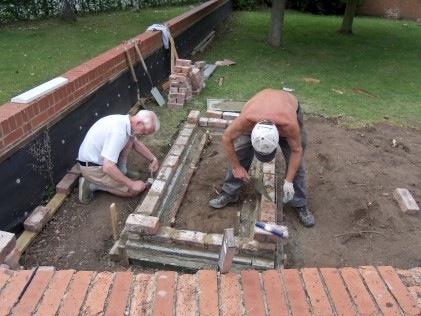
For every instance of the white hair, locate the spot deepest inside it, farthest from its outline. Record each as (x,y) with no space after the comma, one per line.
(149,119)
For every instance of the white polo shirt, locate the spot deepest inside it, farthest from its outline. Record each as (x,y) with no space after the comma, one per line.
(105,139)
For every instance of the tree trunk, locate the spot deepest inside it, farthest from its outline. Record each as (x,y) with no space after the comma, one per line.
(68,13)
(350,9)
(276,23)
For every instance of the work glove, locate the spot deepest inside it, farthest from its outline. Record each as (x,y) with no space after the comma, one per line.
(288,191)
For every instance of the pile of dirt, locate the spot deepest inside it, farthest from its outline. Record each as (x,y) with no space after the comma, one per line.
(351,176)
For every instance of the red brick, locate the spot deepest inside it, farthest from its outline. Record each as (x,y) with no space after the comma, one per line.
(253,296)
(359,294)
(230,292)
(138,223)
(399,291)
(95,301)
(11,292)
(38,218)
(384,300)
(12,259)
(55,292)
(208,293)
(316,292)
(337,291)
(217,123)
(120,292)
(275,295)
(295,292)
(14,136)
(203,121)
(142,294)
(213,114)
(164,294)
(33,294)
(67,184)
(76,294)
(75,169)
(193,116)
(186,295)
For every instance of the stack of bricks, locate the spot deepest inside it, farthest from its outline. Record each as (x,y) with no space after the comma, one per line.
(186,80)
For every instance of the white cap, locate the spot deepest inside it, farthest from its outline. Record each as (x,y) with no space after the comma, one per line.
(265,138)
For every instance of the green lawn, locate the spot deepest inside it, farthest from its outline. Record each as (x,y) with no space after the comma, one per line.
(382,58)
(35,52)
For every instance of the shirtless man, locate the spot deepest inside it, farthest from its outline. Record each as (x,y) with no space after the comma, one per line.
(269,118)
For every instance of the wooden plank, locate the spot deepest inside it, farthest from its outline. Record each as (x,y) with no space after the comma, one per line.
(56,202)
(25,240)
(198,46)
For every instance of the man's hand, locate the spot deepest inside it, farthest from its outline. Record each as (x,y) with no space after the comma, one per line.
(138,186)
(154,165)
(288,191)
(240,173)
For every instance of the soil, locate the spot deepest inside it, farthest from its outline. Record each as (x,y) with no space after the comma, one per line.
(351,176)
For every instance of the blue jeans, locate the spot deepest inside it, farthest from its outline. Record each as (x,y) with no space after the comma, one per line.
(244,151)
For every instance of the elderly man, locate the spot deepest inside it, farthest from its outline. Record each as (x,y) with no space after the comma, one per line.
(269,118)
(104,151)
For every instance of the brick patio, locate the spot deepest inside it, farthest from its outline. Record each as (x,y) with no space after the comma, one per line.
(365,290)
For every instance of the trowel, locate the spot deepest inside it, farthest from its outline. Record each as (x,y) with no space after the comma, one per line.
(150,180)
(260,187)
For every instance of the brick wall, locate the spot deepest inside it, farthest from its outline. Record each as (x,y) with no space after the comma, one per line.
(409,9)
(20,123)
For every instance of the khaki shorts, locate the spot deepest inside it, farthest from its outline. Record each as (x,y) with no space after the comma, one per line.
(98,176)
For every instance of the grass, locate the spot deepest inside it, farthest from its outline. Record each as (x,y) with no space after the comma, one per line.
(382,58)
(35,52)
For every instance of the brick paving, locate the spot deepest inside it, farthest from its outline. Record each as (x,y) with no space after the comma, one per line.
(365,290)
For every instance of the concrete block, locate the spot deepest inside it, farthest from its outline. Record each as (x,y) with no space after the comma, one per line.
(38,218)
(7,244)
(406,201)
